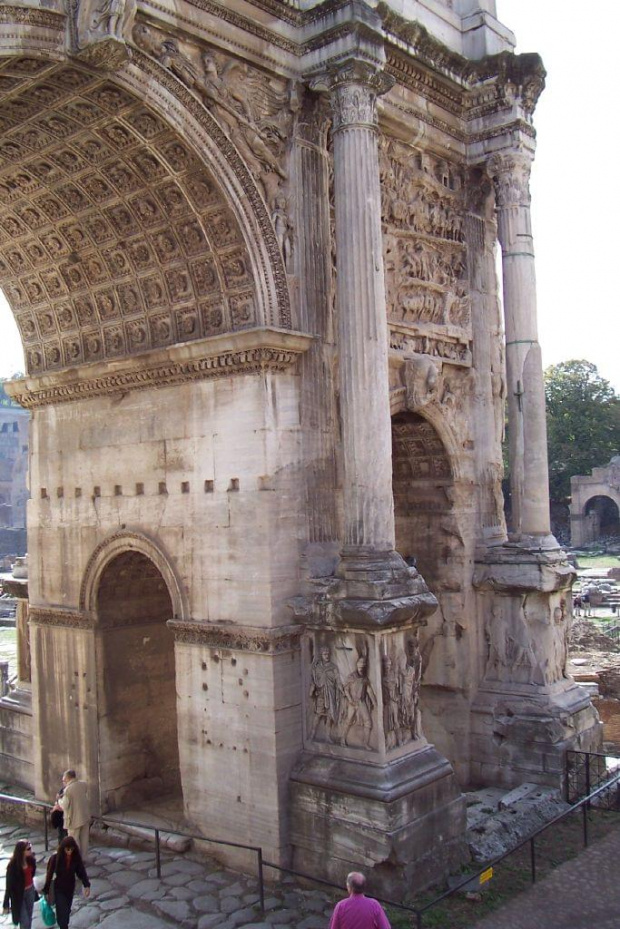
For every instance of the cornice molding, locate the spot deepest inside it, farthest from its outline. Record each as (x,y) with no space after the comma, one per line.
(238,638)
(30,16)
(54,616)
(252,351)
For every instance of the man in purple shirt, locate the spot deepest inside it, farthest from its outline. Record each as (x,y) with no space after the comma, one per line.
(358,911)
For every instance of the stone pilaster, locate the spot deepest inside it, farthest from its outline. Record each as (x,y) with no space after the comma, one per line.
(527,432)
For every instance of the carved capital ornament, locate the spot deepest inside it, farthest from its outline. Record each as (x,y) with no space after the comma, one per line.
(510,173)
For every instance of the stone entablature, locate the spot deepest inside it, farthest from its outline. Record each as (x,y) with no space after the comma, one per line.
(249,352)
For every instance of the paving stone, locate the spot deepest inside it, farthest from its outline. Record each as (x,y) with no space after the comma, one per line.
(148,885)
(312,922)
(123,879)
(115,904)
(176,909)
(229,904)
(201,887)
(243,916)
(175,880)
(137,920)
(282,917)
(182,893)
(207,904)
(210,921)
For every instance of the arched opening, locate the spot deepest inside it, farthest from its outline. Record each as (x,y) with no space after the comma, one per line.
(138,742)
(603,518)
(422,484)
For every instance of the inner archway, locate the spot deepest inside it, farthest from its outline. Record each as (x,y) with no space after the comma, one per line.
(422,484)
(138,741)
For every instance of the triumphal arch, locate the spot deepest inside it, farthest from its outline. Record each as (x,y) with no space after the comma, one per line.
(250,248)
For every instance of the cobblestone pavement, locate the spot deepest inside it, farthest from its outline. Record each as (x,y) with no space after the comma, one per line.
(127,894)
(583,893)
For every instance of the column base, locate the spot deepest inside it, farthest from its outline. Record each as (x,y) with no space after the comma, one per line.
(402,823)
(522,736)
(528,712)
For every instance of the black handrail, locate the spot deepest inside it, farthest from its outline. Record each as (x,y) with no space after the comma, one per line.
(108,821)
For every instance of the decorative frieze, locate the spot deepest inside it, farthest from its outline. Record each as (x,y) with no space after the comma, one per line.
(271,641)
(255,352)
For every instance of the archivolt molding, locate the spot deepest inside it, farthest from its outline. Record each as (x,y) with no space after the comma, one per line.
(125,541)
(238,638)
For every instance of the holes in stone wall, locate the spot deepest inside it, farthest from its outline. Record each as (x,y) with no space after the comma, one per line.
(184,487)
(162,488)
(209,487)
(234,484)
(139,490)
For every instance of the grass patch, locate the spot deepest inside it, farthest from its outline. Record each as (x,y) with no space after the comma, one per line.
(512,876)
(598,561)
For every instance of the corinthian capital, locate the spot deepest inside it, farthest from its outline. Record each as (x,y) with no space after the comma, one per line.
(510,172)
(353,90)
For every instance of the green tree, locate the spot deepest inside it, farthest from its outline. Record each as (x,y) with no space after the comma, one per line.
(583,423)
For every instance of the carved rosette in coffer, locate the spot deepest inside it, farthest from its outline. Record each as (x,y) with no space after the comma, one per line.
(427,285)
(361,693)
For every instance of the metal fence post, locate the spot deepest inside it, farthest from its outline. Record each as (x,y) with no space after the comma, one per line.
(584,807)
(261,880)
(418,919)
(588,778)
(47,838)
(157,854)
(533,860)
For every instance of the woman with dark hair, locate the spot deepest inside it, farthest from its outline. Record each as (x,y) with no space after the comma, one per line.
(20,892)
(62,868)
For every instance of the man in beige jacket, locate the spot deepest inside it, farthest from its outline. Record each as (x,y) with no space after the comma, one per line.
(74,804)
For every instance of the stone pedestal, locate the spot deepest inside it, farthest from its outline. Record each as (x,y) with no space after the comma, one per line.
(528,710)
(369,791)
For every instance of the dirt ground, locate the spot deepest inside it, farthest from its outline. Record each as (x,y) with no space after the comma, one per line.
(594,658)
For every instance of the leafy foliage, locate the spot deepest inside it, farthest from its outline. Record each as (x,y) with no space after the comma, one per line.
(583,422)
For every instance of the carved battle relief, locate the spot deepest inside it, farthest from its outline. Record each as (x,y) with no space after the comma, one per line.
(424,251)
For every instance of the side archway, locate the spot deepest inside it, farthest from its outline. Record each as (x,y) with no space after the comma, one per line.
(131,602)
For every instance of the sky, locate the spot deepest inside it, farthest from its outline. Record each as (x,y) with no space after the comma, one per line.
(575,188)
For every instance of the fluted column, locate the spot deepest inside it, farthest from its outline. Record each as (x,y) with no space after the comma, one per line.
(362,319)
(527,431)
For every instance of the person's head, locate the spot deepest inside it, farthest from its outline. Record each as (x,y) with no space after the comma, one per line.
(68,776)
(325,653)
(356,883)
(361,666)
(68,848)
(21,851)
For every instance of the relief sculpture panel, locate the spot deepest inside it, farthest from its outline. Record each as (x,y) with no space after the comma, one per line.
(427,286)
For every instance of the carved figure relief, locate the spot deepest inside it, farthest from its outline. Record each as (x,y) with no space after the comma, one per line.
(361,701)
(401,681)
(421,381)
(510,655)
(327,695)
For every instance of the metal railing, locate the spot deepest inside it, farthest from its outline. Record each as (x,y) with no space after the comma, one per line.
(585,772)
(157,831)
(582,768)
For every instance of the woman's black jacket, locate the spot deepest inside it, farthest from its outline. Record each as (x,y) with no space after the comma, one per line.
(15,881)
(65,876)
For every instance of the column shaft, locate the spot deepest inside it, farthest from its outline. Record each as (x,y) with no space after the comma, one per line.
(363,339)
(527,431)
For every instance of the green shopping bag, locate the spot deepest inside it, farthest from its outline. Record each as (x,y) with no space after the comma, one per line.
(48,914)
